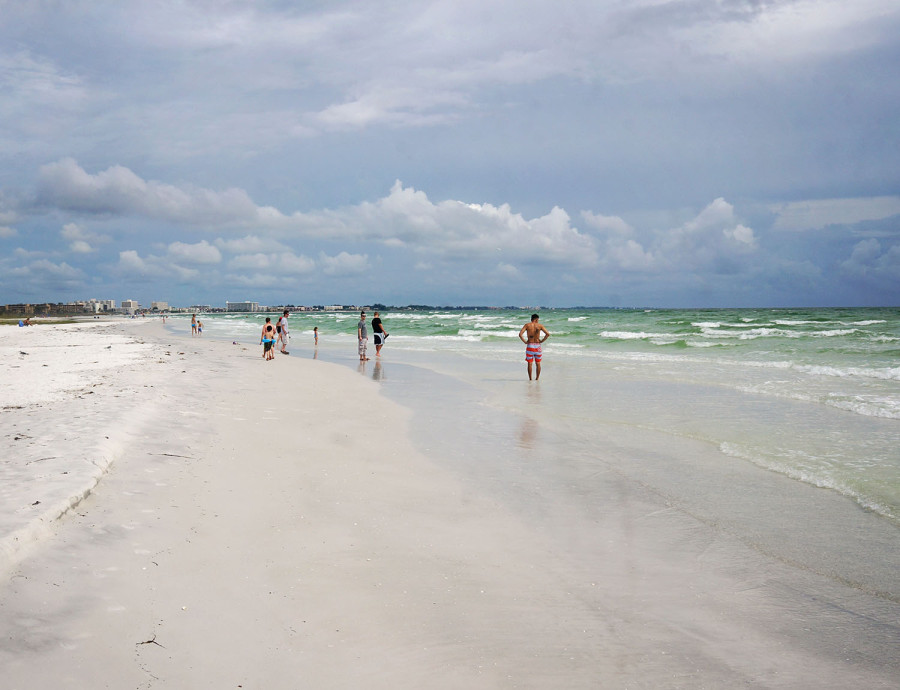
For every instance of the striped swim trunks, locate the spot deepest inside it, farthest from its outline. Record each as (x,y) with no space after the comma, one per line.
(533,352)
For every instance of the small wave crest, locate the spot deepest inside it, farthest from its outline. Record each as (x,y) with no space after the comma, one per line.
(823,477)
(882,373)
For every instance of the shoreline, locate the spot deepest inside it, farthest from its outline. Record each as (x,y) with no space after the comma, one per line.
(300,527)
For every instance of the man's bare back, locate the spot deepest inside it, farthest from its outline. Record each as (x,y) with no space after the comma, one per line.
(533,341)
(533,330)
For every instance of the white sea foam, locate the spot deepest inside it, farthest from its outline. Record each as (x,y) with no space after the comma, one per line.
(883,373)
(795,322)
(821,476)
(719,324)
(632,335)
(868,405)
(833,333)
(752,334)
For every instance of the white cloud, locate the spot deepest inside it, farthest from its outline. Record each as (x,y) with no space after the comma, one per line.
(742,234)
(629,255)
(406,217)
(44,271)
(621,251)
(80,240)
(819,213)
(755,32)
(257,261)
(7,232)
(118,191)
(200,253)
(508,272)
(343,264)
(463,231)
(130,262)
(22,254)
(870,261)
(713,239)
(250,244)
(132,265)
(275,264)
(607,224)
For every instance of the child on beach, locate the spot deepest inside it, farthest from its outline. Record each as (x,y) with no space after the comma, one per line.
(267,339)
(316,335)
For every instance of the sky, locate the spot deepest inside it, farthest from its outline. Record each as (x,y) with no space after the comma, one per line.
(627,153)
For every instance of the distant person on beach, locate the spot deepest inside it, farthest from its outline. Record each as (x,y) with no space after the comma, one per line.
(267,339)
(379,334)
(282,329)
(316,335)
(533,341)
(193,324)
(199,327)
(362,333)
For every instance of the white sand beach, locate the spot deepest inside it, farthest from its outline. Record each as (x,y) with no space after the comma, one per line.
(235,523)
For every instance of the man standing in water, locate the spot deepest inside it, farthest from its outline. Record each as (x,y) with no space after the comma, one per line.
(533,341)
(362,333)
(283,331)
(379,333)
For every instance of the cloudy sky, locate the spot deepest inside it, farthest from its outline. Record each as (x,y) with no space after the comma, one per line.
(583,152)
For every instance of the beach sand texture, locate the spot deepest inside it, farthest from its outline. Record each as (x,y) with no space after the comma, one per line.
(228,522)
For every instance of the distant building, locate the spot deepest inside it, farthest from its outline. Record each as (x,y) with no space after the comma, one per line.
(101,305)
(129,306)
(200,308)
(241,306)
(159,306)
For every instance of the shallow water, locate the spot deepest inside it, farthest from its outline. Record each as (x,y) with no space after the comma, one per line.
(813,394)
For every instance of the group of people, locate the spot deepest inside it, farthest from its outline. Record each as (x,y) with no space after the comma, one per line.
(196,326)
(276,336)
(362,334)
(533,334)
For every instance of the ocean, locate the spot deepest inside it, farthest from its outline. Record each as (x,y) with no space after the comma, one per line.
(810,394)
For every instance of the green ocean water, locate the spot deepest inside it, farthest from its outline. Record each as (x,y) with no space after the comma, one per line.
(813,394)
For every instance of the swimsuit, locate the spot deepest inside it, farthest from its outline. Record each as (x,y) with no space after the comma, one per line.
(533,352)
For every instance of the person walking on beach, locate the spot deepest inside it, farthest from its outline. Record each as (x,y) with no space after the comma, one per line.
(362,333)
(193,325)
(316,336)
(379,334)
(531,336)
(283,331)
(267,339)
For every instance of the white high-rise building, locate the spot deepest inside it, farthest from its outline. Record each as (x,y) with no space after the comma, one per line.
(241,306)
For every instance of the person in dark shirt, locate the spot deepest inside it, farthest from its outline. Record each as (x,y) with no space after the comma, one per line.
(379,333)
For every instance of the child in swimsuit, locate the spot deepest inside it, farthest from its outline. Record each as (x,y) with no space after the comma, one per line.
(267,339)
